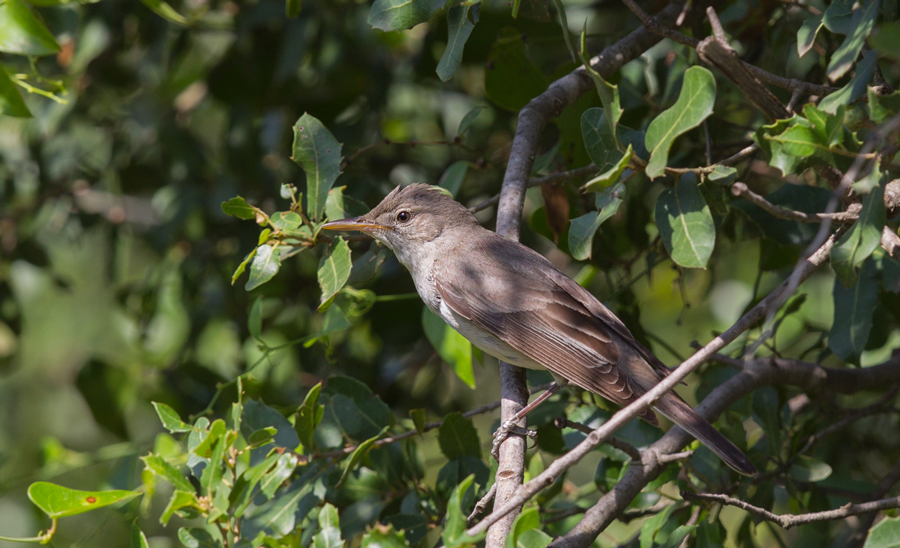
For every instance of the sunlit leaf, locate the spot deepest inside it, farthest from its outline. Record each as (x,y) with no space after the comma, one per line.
(319,154)
(806,35)
(195,537)
(694,104)
(11,102)
(458,30)
(359,454)
(862,23)
(57,501)
(455,527)
(265,265)
(685,224)
(609,93)
(138,538)
(22,33)
(309,415)
(329,535)
(886,40)
(808,469)
(179,501)
(610,176)
(170,419)
(885,534)
(385,538)
(161,467)
(238,207)
(883,107)
(334,271)
(530,518)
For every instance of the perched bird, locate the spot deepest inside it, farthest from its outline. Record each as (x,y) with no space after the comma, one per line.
(515,305)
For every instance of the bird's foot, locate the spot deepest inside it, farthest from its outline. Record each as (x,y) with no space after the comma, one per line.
(506,429)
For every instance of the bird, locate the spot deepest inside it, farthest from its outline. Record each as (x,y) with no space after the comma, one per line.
(514,304)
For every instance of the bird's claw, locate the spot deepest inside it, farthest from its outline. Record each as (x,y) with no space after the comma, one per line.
(506,429)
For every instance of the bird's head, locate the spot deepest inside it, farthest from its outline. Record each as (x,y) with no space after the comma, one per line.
(409,217)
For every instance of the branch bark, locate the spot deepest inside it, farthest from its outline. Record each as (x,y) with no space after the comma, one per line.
(531,122)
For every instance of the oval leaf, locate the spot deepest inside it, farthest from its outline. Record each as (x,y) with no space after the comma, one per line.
(319,154)
(57,501)
(388,15)
(334,271)
(458,30)
(685,224)
(264,267)
(694,104)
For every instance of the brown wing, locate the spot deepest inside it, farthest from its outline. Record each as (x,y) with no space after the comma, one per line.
(519,297)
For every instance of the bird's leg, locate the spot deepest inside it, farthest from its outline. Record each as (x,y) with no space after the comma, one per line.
(510,426)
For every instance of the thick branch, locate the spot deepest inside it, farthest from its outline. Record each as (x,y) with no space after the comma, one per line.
(792,520)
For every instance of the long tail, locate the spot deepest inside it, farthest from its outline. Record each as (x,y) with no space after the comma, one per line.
(679,412)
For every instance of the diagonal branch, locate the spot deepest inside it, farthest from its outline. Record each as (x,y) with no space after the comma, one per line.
(792,520)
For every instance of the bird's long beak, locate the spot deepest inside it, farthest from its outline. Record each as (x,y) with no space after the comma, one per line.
(353,224)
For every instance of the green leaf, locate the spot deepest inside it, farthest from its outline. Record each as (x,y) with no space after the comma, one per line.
(582,229)
(238,207)
(384,538)
(883,107)
(860,241)
(167,12)
(262,437)
(710,535)
(138,538)
(511,79)
(195,537)
(609,94)
(855,88)
(265,265)
(359,454)
(22,33)
(58,502)
(274,478)
(838,18)
(678,535)
(334,271)
(652,526)
(11,102)
(458,30)
(886,534)
(286,221)
(694,104)
(329,535)
(319,154)
(685,224)
(453,177)
(467,120)
(886,40)
(805,198)
(339,206)
(453,348)
(827,128)
(161,467)
(808,469)
(293,7)
(204,449)
(418,418)
(564,27)
(806,36)
(212,474)
(170,419)
(458,437)
(862,23)
(357,410)
(243,266)
(455,527)
(601,145)
(853,309)
(722,175)
(604,180)
(788,143)
(179,500)
(309,415)
(530,518)
(388,15)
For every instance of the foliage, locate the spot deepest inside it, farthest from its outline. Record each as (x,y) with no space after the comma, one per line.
(145,172)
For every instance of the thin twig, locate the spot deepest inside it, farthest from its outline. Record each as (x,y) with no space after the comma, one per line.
(627,448)
(482,505)
(787,521)
(741,190)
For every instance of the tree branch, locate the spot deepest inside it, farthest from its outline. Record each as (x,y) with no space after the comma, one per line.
(787,521)
(741,190)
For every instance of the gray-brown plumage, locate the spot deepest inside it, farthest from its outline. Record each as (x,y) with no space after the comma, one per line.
(514,304)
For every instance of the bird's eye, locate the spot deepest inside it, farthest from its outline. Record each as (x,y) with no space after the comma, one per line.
(404,216)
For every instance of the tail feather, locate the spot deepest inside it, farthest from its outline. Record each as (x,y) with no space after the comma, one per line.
(684,416)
